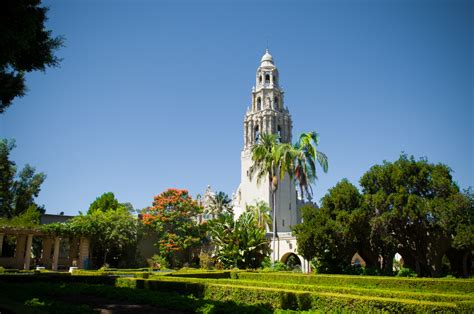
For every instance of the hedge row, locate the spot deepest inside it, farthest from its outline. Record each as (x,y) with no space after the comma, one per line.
(202,274)
(57,278)
(294,299)
(13,296)
(386,293)
(407,284)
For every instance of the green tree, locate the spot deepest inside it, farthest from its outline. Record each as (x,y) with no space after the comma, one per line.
(411,204)
(461,226)
(112,231)
(17,193)
(333,233)
(241,243)
(173,218)
(106,201)
(26,46)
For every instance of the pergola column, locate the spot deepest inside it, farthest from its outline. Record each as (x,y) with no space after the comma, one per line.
(83,252)
(73,251)
(1,243)
(20,251)
(29,242)
(46,252)
(57,242)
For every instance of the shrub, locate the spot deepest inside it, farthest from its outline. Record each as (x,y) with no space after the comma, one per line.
(159,262)
(206,261)
(406,272)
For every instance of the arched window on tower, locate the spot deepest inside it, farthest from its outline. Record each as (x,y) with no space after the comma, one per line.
(259,103)
(279,133)
(257,135)
(260,79)
(277,104)
(267,78)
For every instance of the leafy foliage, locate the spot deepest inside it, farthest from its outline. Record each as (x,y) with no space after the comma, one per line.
(172,216)
(306,157)
(261,213)
(219,203)
(26,46)
(111,231)
(273,160)
(416,209)
(332,233)
(241,243)
(106,201)
(409,206)
(28,219)
(17,194)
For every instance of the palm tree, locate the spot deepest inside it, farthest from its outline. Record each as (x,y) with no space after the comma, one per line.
(270,158)
(273,160)
(219,203)
(261,212)
(306,156)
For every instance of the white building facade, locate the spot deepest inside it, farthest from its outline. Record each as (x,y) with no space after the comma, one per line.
(268,114)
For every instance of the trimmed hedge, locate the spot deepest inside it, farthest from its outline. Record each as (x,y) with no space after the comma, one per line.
(201,274)
(57,278)
(386,293)
(370,282)
(278,298)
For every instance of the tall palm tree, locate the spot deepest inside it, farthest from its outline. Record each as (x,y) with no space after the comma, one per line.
(306,157)
(271,160)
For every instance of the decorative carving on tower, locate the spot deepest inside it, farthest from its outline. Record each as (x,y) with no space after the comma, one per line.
(267,113)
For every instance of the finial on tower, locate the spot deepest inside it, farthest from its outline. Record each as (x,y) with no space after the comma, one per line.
(267,58)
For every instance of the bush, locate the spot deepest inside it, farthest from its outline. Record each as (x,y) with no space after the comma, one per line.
(406,272)
(159,262)
(206,261)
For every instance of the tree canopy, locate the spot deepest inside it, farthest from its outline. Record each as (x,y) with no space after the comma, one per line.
(411,207)
(173,218)
(26,45)
(17,190)
(331,234)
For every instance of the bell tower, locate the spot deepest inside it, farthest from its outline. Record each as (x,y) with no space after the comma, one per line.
(266,114)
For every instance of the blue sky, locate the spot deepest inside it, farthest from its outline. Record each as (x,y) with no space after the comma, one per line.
(152,94)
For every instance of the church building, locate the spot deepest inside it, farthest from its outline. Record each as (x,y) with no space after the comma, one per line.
(268,114)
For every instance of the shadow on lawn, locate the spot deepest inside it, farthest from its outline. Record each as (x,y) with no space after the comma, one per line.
(36,296)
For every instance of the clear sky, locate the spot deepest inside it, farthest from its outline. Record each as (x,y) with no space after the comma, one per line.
(152,94)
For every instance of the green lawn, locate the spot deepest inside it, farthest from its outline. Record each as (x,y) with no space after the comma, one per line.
(230,292)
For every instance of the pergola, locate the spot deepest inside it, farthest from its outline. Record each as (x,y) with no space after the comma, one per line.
(77,254)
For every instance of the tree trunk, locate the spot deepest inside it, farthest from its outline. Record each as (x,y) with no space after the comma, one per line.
(465,271)
(274,225)
(105,257)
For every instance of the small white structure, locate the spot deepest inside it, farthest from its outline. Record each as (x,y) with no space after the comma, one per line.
(267,114)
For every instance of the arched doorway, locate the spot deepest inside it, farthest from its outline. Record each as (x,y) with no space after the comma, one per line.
(292,261)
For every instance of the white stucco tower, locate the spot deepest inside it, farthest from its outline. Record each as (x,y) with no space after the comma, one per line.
(267,114)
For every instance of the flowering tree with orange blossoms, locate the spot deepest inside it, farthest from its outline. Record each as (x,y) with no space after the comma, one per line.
(172,216)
